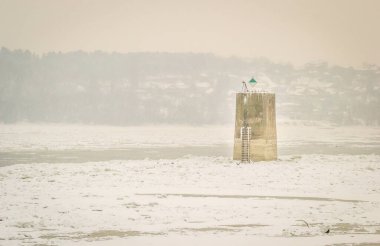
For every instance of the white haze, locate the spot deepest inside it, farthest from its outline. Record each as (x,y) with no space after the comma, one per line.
(176,88)
(341,32)
(117,122)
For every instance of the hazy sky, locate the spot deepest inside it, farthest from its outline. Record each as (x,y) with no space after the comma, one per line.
(344,32)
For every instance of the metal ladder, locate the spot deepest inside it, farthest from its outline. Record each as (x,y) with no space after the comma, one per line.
(245,137)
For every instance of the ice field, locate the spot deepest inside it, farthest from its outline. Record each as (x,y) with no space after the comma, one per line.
(166,185)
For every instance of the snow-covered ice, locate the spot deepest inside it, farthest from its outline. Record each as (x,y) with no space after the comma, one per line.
(193,200)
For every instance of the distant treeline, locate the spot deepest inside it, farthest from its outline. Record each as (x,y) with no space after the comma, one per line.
(184,88)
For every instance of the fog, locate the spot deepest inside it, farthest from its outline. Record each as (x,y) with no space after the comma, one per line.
(176,88)
(117,122)
(341,32)
(180,62)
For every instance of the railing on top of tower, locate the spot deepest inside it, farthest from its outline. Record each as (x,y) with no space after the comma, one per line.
(252,89)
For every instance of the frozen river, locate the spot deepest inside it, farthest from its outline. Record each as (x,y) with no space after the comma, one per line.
(101,185)
(77,143)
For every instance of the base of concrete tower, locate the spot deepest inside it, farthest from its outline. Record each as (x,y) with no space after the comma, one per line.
(260,150)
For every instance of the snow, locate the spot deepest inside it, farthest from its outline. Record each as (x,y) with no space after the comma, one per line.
(62,137)
(194,199)
(83,137)
(191,197)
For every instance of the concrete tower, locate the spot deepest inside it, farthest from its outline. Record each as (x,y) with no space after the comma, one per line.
(255,127)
